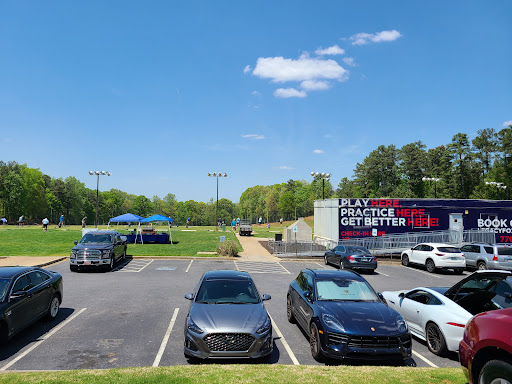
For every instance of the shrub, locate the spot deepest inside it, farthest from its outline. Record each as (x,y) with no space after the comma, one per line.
(227,248)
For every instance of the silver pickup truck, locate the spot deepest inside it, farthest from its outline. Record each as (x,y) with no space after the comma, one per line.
(245,228)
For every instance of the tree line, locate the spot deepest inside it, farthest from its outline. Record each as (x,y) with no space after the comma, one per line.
(464,168)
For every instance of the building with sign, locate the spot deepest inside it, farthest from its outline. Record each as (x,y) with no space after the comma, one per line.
(343,219)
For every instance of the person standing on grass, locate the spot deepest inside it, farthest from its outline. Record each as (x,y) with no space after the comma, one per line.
(84,221)
(281,221)
(3,220)
(237,221)
(20,221)
(61,221)
(45,224)
(233,225)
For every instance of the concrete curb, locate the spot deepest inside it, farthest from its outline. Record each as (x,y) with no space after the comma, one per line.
(51,262)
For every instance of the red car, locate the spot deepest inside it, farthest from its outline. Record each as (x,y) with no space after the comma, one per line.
(485,351)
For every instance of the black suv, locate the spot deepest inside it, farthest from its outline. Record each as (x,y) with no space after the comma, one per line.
(98,249)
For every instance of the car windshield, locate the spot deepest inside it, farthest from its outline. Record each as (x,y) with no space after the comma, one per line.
(448,249)
(344,290)
(358,251)
(96,238)
(227,292)
(4,284)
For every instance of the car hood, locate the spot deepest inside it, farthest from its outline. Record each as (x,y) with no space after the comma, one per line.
(228,317)
(98,246)
(361,317)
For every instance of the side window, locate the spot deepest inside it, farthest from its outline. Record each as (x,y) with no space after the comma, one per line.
(38,277)
(475,249)
(466,248)
(418,248)
(489,250)
(419,296)
(434,301)
(309,282)
(22,284)
(428,248)
(301,281)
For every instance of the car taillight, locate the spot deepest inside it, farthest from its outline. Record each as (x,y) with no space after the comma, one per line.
(457,324)
(495,258)
(374,258)
(350,258)
(440,254)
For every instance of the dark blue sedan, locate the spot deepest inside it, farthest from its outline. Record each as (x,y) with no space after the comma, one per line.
(351,257)
(345,318)
(26,295)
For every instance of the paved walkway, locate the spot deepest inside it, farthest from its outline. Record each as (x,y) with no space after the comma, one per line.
(29,261)
(253,250)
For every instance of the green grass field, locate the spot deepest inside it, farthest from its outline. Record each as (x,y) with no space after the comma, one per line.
(244,373)
(32,241)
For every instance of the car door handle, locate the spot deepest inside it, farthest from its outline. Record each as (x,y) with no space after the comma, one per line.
(391,301)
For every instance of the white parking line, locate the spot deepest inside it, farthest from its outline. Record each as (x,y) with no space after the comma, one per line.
(284,268)
(166,339)
(191,261)
(426,273)
(43,338)
(425,359)
(380,273)
(285,344)
(146,265)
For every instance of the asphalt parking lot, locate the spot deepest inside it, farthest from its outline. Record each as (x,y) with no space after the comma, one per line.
(134,316)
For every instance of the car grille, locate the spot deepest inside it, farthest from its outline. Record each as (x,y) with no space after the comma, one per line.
(336,338)
(89,255)
(373,342)
(229,341)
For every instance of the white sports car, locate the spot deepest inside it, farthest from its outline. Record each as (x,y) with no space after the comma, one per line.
(435,256)
(439,315)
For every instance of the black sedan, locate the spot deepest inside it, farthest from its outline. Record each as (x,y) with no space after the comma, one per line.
(345,318)
(351,257)
(26,295)
(227,318)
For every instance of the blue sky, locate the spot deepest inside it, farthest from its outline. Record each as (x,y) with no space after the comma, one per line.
(162,92)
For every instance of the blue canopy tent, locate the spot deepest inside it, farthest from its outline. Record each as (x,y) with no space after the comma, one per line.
(159,218)
(127,218)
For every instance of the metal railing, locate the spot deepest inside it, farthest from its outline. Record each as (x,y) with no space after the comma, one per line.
(296,248)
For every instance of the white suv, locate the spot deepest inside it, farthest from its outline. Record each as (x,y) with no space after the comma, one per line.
(434,256)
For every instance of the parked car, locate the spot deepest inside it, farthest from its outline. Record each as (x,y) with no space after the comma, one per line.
(439,315)
(435,256)
(485,351)
(488,256)
(351,257)
(26,295)
(98,249)
(345,318)
(227,318)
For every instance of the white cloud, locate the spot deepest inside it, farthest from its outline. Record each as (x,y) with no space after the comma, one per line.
(253,137)
(318,151)
(365,38)
(315,85)
(255,93)
(286,167)
(334,50)
(289,92)
(349,61)
(281,70)
(247,68)
(507,123)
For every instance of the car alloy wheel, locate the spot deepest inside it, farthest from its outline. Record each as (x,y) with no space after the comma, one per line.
(435,340)
(431,267)
(496,372)
(405,260)
(314,343)
(341,264)
(111,264)
(325,260)
(481,266)
(289,312)
(53,309)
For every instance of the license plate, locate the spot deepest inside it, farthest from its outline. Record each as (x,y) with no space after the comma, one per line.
(454,258)
(87,263)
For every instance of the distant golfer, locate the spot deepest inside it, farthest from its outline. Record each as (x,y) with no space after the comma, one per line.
(61,221)
(20,221)
(84,221)
(45,224)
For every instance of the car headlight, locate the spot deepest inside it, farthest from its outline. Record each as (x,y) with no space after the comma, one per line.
(73,255)
(105,254)
(265,327)
(192,326)
(332,322)
(401,324)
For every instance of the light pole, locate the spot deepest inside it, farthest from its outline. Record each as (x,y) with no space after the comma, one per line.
(498,186)
(98,173)
(435,180)
(217,175)
(324,176)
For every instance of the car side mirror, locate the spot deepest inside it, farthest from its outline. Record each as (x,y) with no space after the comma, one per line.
(266,297)
(381,297)
(17,294)
(189,296)
(76,242)
(401,295)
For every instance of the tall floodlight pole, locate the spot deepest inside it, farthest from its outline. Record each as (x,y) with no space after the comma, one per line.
(497,185)
(98,173)
(324,176)
(217,175)
(435,180)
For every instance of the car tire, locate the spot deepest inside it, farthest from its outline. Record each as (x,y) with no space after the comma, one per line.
(110,265)
(314,344)
(325,260)
(481,266)
(289,312)
(496,371)
(436,342)
(458,271)
(405,260)
(341,266)
(53,308)
(430,265)
(73,268)
(123,256)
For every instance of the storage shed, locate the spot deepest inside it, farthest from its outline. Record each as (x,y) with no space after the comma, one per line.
(298,231)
